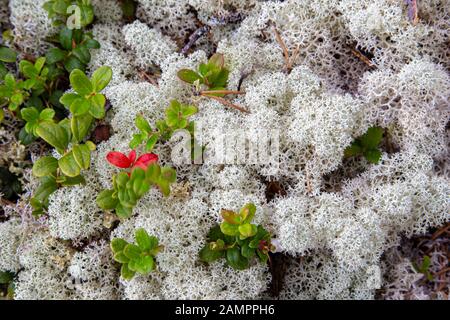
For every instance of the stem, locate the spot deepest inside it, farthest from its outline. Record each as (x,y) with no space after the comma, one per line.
(226,103)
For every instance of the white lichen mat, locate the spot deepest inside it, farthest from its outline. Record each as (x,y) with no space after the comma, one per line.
(340,215)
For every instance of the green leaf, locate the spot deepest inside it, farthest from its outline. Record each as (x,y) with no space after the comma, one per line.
(72,181)
(80,126)
(126,273)
(236,260)
(30,114)
(92,44)
(372,138)
(82,53)
(247,251)
(118,244)
(353,150)
(121,257)
(72,63)
(68,98)
(188,111)
(247,230)
(7,55)
(153,172)
(106,201)
(2,115)
(82,155)
(53,134)
(132,251)
(47,114)
(151,142)
(101,77)
(39,64)
(142,124)
(45,166)
(97,109)
(247,212)
(143,240)
(145,264)
(373,156)
(229,229)
(69,165)
(80,82)
(123,212)
(65,38)
(230,216)
(80,106)
(168,174)
(55,55)
(46,188)
(188,75)
(208,255)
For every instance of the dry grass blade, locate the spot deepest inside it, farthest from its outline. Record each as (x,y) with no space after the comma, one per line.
(145,76)
(227,103)
(280,41)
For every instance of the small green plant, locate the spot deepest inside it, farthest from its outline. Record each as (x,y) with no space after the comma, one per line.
(139,257)
(424,268)
(130,186)
(367,145)
(177,117)
(72,51)
(60,11)
(237,239)
(212,75)
(7,55)
(67,136)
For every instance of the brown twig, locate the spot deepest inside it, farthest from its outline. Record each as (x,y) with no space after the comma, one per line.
(226,103)
(439,232)
(283,47)
(363,58)
(145,76)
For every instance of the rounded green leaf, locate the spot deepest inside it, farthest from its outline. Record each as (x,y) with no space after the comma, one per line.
(82,155)
(145,264)
(47,114)
(151,142)
(373,156)
(80,82)
(142,124)
(229,229)
(68,165)
(101,77)
(236,260)
(68,98)
(106,201)
(82,53)
(132,251)
(230,216)
(72,63)
(45,166)
(97,109)
(247,212)
(30,114)
(247,230)
(53,134)
(7,54)
(80,126)
(169,174)
(208,255)
(80,106)
(121,257)
(143,240)
(188,110)
(188,75)
(65,38)
(55,55)
(118,244)
(126,273)
(123,212)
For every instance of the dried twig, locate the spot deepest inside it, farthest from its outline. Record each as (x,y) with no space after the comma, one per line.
(200,32)
(363,58)
(226,103)
(145,76)
(441,231)
(287,60)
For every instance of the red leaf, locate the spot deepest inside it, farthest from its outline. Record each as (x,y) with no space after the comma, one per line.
(145,160)
(118,159)
(132,156)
